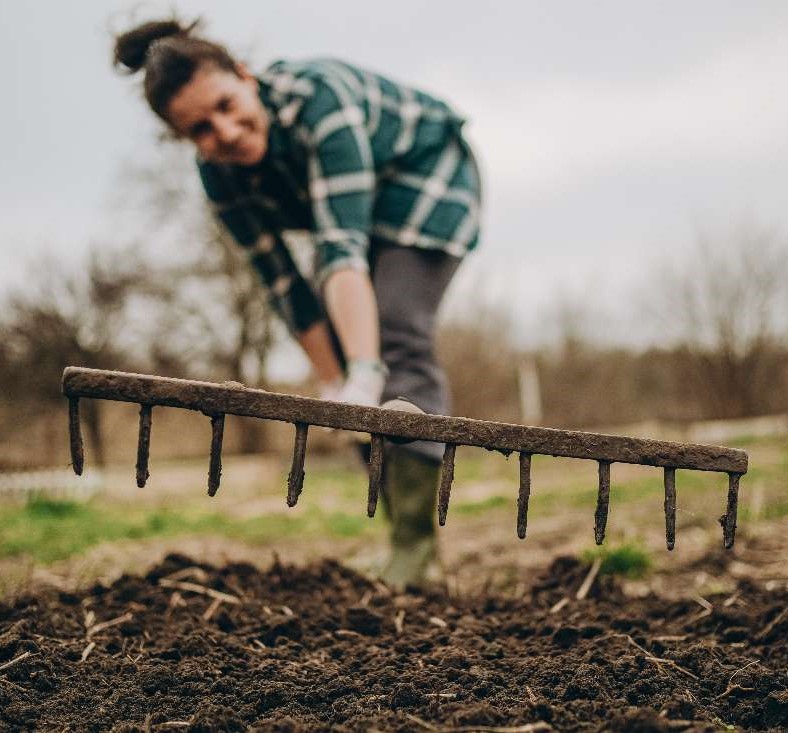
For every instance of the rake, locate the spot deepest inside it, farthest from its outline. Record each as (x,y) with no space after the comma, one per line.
(217,400)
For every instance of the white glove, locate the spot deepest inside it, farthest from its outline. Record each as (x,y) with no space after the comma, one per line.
(330,390)
(364,383)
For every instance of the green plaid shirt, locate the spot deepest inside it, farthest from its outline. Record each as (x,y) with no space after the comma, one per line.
(351,156)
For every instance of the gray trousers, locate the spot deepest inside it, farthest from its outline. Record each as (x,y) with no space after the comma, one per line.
(409,284)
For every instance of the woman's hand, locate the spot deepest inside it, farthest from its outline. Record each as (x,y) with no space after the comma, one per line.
(364,383)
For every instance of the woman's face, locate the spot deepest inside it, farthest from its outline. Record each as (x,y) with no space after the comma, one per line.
(221,113)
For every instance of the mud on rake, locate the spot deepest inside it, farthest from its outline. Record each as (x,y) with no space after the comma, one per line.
(217,400)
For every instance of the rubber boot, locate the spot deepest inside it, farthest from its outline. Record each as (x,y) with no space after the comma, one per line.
(409,495)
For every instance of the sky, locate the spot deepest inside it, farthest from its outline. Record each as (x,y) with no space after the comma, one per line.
(611,134)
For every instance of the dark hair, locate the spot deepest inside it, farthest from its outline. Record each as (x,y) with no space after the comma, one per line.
(170,55)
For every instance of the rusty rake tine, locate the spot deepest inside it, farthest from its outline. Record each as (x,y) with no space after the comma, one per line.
(447,476)
(524,494)
(728,520)
(215,466)
(143,444)
(670,508)
(375,473)
(602,502)
(75,436)
(295,479)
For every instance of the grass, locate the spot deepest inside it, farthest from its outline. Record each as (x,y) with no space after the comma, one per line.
(50,530)
(485,505)
(628,560)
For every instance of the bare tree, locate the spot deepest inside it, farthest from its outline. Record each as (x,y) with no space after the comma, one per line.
(57,318)
(725,308)
(217,320)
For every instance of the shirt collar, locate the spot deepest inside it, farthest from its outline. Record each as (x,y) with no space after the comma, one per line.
(277,138)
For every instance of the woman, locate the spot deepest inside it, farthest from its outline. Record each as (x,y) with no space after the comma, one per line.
(381,177)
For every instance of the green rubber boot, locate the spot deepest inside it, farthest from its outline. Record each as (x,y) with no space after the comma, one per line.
(409,494)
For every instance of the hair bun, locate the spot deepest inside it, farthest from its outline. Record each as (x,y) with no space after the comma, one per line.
(132,47)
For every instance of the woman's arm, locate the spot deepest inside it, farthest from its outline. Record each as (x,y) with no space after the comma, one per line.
(316,343)
(351,305)
(352,308)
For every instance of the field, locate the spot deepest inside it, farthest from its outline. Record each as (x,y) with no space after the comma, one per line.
(160,609)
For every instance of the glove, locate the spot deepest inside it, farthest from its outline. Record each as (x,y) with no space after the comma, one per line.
(364,383)
(330,390)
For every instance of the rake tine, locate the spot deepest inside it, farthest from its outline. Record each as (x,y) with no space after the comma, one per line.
(75,436)
(603,502)
(728,520)
(215,467)
(524,494)
(670,507)
(295,479)
(447,476)
(143,444)
(375,473)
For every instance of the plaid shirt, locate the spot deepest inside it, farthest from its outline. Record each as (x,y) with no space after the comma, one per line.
(351,155)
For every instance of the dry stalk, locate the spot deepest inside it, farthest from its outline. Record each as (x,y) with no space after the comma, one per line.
(658,660)
(215,603)
(194,573)
(701,601)
(741,669)
(201,589)
(235,588)
(15,660)
(176,600)
(539,727)
(558,606)
(582,591)
(4,681)
(86,651)
(107,624)
(734,688)
(399,620)
(774,622)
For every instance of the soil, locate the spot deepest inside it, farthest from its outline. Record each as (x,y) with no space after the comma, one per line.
(318,647)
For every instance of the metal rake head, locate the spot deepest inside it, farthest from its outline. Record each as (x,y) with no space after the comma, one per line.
(216,400)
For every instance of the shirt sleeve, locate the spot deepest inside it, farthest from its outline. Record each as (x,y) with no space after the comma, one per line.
(290,295)
(341,176)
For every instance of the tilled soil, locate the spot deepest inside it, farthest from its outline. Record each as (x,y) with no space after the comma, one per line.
(198,648)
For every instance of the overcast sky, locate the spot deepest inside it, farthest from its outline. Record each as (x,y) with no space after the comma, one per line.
(610,132)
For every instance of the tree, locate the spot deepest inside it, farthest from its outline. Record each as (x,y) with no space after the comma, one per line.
(725,308)
(57,318)
(216,320)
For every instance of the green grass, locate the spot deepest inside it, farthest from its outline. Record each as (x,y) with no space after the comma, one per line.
(485,505)
(628,560)
(50,530)
(776,509)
